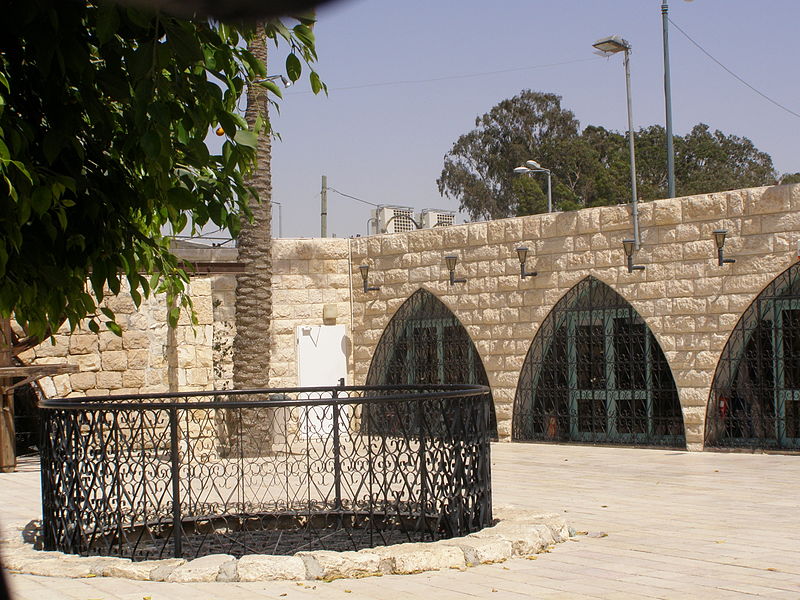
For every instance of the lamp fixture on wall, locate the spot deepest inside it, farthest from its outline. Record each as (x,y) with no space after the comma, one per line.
(628,246)
(451,260)
(364,275)
(719,239)
(522,253)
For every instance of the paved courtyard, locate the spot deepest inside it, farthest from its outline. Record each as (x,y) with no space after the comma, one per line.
(661,524)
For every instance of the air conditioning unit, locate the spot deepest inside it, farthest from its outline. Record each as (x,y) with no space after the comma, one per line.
(437,218)
(394,219)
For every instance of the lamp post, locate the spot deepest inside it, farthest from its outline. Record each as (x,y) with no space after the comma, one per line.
(531,166)
(668,101)
(606,47)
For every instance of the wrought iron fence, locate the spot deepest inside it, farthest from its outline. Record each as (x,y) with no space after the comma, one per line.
(755,396)
(596,374)
(264,471)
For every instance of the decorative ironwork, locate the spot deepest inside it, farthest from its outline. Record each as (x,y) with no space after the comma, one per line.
(755,396)
(263,471)
(595,373)
(27,428)
(425,343)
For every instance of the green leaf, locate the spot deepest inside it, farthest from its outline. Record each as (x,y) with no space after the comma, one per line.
(41,200)
(114,328)
(107,21)
(316,84)
(293,67)
(183,40)
(173,316)
(94,326)
(151,144)
(108,312)
(272,87)
(246,138)
(181,198)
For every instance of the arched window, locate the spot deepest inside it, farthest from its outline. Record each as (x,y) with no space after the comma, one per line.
(755,396)
(595,373)
(425,343)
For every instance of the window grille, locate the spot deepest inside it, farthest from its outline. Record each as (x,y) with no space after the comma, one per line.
(755,396)
(595,373)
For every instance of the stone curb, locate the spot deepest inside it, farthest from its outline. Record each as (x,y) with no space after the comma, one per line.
(517,533)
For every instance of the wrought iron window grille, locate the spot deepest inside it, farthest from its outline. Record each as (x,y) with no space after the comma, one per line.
(755,395)
(595,374)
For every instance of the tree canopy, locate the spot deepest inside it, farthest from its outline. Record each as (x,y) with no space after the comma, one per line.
(103,114)
(590,166)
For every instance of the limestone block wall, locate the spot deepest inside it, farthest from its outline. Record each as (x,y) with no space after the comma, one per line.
(689,302)
(139,361)
(308,276)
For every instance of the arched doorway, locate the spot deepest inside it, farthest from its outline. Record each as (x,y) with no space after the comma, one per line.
(426,343)
(596,374)
(755,395)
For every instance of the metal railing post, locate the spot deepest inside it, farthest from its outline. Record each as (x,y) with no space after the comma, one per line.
(337,455)
(176,483)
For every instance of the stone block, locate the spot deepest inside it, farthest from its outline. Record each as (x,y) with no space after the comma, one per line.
(703,207)
(408,558)
(114,360)
(206,568)
(57,346)
(264,567)
(144,570)
(85,362)
(82,381)
(83,343)
(111,380)
(667,212)
(477,233)
(138,359)
(326,564)
(483,550)
(768,200)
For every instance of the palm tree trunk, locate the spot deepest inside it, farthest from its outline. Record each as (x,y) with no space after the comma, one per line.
(254,288)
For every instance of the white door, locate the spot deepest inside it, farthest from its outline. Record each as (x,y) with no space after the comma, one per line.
(321,361)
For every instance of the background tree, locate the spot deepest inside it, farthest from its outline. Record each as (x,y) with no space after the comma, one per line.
(103,114)
(589,167)
(477,169)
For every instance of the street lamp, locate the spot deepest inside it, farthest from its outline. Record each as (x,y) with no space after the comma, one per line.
(668,101)
(607,47)
(531,166)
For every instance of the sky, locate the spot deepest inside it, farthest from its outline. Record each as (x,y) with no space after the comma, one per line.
(406,79)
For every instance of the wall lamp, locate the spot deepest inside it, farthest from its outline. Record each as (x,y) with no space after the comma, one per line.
(451,260)
(628,246)
(719,239)
(522,253)
(364,275)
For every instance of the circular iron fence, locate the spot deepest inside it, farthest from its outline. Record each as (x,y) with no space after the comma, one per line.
(264,471)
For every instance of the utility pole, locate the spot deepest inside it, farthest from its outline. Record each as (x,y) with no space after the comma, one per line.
(324,206)
(668,102)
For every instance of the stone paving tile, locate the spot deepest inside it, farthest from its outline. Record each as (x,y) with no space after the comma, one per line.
(680,525)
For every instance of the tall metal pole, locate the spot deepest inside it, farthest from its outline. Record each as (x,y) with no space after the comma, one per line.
(324,207)
(549,193)
(668,102)
(634,196)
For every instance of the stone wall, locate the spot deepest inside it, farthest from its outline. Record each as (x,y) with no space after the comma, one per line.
(139,361)
(689,302)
